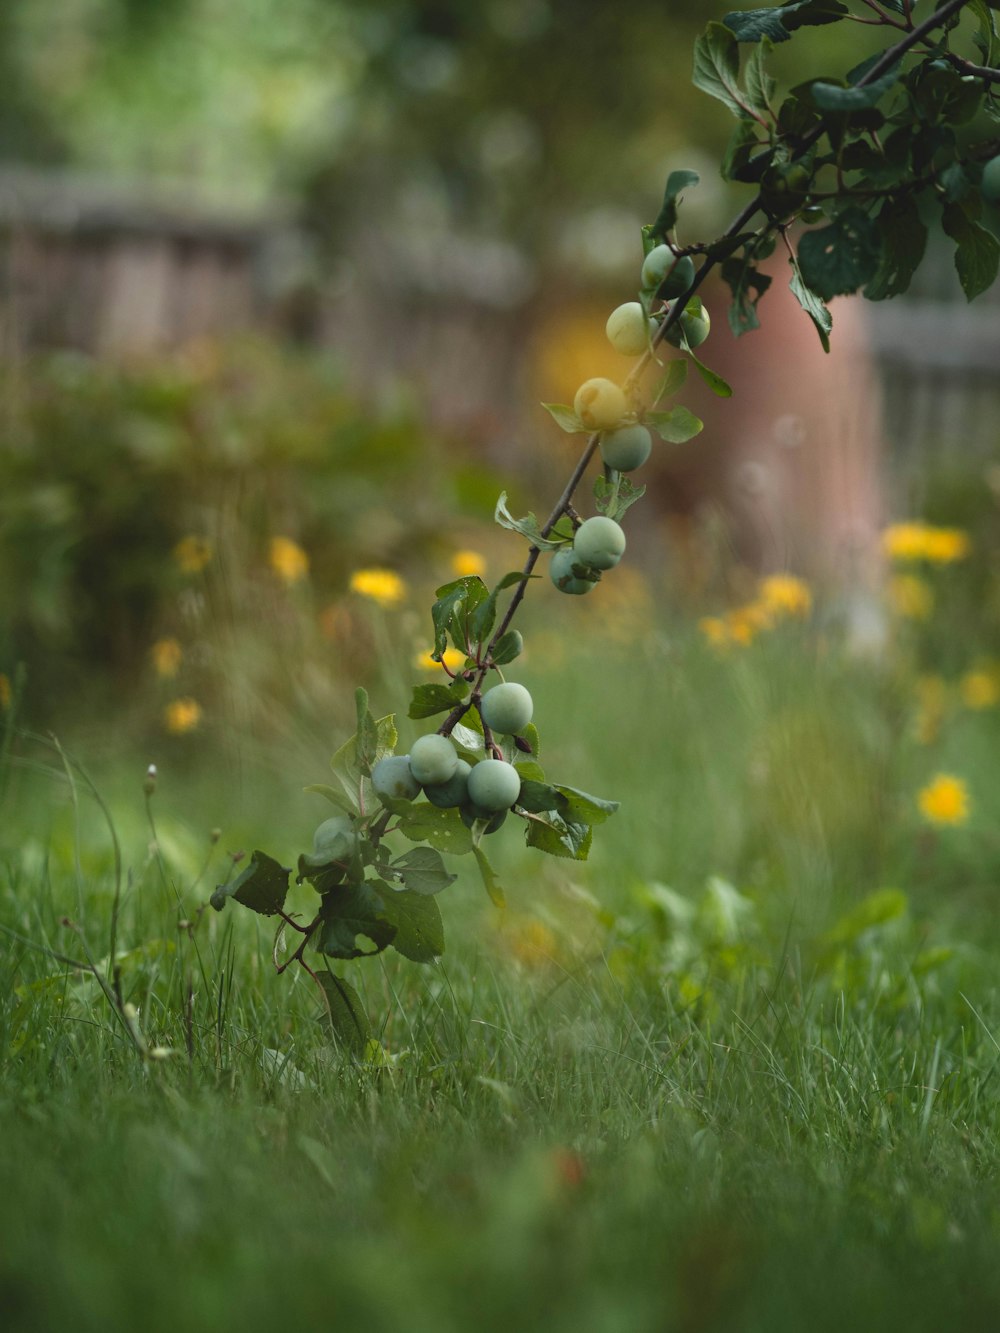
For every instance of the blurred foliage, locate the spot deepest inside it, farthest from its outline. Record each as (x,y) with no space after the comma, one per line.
(211,488)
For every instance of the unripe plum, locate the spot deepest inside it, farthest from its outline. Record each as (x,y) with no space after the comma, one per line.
(600,404)
(562,575)
(626,448)
(507,708)
(990,183)
(494,785)
(392,777)
(333,840)
(453,792)
(696,329)
(470,813)
(629,329)
(433,759)
(665,273)
(599,542)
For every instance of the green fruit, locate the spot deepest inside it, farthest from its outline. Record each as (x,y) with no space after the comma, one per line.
(665,274)
(990,183)
(391,777)
(453,792)
(695,324)
(506,708)
(494,785)
(333,840)
(626,448)
(470,813)
(600,404)
(599,543)
(433,759)
(563,576)
(629,329)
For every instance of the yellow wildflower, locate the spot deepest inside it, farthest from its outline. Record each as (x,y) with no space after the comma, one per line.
(468,562)
(715,630)
(452,658)
(380,585)
(166,654)
(945,800)
(911,596)
(288,560)
(744,622)
(980,688)
(193,554)
(181,716)
(904,541)
(943,546)
(923,541)
(5,691)
(786,594)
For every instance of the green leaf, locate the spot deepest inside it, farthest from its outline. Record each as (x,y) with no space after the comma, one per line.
(711,377)
(530,738)
(484,616)
(528,526)
(349,911)
(345,1013)
(423,871)
(509,645)
(977,253)
(565,418)
(759,84)
(528,771)
(717,68)
(833,98)
(419,929)
(423,822)
(904,239)
(585,808)
(335,797)
(538,796)
(453,610)
(550,832)
(746,156)
(262,886)
(672,380)
(490,882)
(985,39)
(840,258)
(748,284)
(779,21)
(676,426)
(346,763)
(812,305)
(366,736)
(429,700)
(666,219)
(616,497)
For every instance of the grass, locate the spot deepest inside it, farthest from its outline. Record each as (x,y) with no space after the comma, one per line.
(738,1072)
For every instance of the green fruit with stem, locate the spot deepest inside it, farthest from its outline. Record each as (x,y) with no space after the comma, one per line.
(433,759)
(990,183)
(453,792)
(494,785)
(470,813)
(506,708)
(564,576)
(629,329)
(696,324)
(600,404)
(392,777)
(626,448)
(599,542)
(665,273)
(333,840)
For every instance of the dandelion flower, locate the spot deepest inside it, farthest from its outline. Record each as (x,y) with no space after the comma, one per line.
(193,554)
(166,655)
(980,688)
(715,631)
(288,560)
(923,541)
(904,541)
(786,594)
(181,716)
(468,562)
(945,800)
(943,546)
(379,585)
(451,658)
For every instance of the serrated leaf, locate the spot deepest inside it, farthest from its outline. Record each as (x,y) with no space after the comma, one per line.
(812,305)
(528,771)
(419,929)
(528,526)
(833,98)
(423,871)
(666,219)
(469,738)
(346,765)
(904,239)
(349,911)
(338,798)
(565,418)
(484,617)
(490,882)
(429,700)
(676,426)
(977,252)
(345,1013)
(452,612)
(671,380)
(549,832)
(759,84)
(985,39)
(366,736)
(423,822)
(509,646)
(531,739)
(748,284)
(838,259)
(537,796)
(614,498)
(585,808)
(717,68)
(262,886)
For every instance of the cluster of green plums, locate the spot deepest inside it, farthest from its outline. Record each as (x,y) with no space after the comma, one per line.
(598,544)
(482,791)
